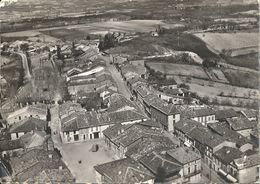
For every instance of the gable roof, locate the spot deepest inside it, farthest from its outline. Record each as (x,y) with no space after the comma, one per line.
(80,120)
(227,154)
(164,107)
(200,112)
(155,161)
(124,171)
(248,161)
(241,124)
(186,126)
(34,139)
(118,102)
(250,113)
(7,145)
(226,113)
(184,155)
(206,137)
(28,125)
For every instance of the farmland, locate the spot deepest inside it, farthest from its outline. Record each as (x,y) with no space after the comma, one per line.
(237,43)
(242,78)
(179,69)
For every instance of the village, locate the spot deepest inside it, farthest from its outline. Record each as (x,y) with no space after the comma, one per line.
(138,101)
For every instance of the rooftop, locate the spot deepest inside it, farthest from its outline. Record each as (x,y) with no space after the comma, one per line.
(140,70)
(250,113)
(69,107)
(124,171)
(241,124)
(155,161)
(200,112)
(164,107)
(226,113)
(80,120)
(248,161)
(7,145)
(228,154)
(222,129)
(206,137)
(184,155)
(28,125)
(187,125)
(149,144)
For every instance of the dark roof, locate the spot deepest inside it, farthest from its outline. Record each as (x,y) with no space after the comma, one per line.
(124,171)
(113,131)
(135,80)
(184,155)
(175,91)
(150,144)
(7,145)
(226,113)
(155,161)
(205,136)
(186,126)
(250,113)
(249,161)
(28,125)
(151,123)
(227,154)
(149,99)
(142,90)
(222,129)
(80,120)
(241,124)
(121,117)
(200,112)
(164,107)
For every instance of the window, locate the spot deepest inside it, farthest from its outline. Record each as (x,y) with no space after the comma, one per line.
(188,170)
(20,118)
(195,168)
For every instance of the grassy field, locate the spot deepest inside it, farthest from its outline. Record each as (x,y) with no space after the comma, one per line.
(179,69)
(242,78)
(248,61)
(230,41)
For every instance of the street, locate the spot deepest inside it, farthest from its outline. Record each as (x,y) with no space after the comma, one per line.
(55,126)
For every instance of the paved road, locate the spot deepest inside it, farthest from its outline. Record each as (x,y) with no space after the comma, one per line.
(122,88)
(55,126)
(27,73)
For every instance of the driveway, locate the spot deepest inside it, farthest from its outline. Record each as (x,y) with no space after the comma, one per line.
(74,152)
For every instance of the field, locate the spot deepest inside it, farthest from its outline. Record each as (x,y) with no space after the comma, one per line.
(248,61)
(238,43)
(217,75)
(242,78)
(179,69)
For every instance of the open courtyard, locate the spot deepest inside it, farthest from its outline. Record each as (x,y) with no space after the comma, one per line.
(75,152)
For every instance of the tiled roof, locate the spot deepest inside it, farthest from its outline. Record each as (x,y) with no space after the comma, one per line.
(249,161)
(28,125)
(34,139)
(140,70)
(206,137)
(142,90)
(184,155)
(186,126)
(118,102)
(241,124)
(40,109)
(224,114)
(121,117)
(154,161)
(222,129)
(149,99)
(200,112)
(69,107)
(250,113)
(151,123)
(7,145)
(228,154)
(124,171)
(149,144)
(80,120)
(164,107)
(135,80)
(175,91)
(113,131)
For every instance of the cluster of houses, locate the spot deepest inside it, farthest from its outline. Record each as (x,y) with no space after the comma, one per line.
(27,147)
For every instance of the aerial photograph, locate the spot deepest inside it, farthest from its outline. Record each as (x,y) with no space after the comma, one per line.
(129,91)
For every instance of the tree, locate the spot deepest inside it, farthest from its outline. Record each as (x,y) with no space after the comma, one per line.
(185,86)
(59,52)
(205,100)
(108,41)
(24,47)
(161,175)
(187,100)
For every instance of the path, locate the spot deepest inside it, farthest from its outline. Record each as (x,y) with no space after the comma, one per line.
(122,88)
(55,126)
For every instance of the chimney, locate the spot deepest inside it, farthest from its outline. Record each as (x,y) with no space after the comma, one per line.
(60,167)
(50,156)
(228,151)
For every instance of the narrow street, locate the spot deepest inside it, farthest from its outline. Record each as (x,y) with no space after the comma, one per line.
(55,126)
(122,88)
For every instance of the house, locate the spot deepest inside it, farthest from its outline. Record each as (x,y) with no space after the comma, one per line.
(202,115)
(81,126)
(129,71)
(147,145)
(221,128)
(170,98)
(30,124)
(246,169)
(140,92)
(126,137)
(222,115)
(10,147)
(36,139)
(190,161)
(254,137)
(38,165)
(125,170)
(147,101)
(223,159)
(242,126)
(166,114)
(182,128)
(38,111)
(161,162)
(68,108)
(135,81)
(251,115)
